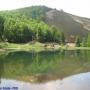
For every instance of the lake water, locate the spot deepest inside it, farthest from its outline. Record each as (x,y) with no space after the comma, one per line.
(46,70)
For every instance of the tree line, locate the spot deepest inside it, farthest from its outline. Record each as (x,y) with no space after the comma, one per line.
(85,42)
(20,29)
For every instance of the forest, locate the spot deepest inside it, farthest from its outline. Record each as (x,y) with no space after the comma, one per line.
(23,30)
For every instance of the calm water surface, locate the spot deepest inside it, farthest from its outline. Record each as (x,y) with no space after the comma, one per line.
(76,82)
(46,70)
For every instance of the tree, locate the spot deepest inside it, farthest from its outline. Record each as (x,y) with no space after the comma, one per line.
(78,41)
(88,40)
(1,27)
(84,42)
(56,34)
(62,38)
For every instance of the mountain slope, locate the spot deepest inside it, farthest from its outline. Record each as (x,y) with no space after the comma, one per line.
(68,23)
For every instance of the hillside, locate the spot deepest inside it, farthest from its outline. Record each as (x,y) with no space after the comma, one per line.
(70,24)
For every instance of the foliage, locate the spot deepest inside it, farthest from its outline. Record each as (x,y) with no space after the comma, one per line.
(84,42)
(34,12)
(62,38)
(78,41)
(22,30)
(1,27)
(88,40)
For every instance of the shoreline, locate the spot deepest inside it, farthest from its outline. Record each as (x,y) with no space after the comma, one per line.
(39,46)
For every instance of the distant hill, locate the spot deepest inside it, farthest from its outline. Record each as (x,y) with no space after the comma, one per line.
(71,25)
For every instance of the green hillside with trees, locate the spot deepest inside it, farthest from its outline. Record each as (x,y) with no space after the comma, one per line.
(31,24)
(20,29)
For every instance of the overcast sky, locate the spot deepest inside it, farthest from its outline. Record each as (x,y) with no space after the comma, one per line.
(77,7)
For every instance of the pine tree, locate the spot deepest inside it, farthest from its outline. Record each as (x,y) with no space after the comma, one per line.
(88,40)
(78,41)
(84,42)
(1,27)
(62,38)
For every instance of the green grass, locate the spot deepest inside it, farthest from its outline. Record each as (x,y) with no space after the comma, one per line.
(77,48)
(36,46)
(14,46)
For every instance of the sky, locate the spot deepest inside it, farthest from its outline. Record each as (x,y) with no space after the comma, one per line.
(76,7)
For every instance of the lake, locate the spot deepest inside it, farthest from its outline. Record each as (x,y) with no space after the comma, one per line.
(45,70)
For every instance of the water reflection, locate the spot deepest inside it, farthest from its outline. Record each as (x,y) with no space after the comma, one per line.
(1,68)
(76,82)
(43,66)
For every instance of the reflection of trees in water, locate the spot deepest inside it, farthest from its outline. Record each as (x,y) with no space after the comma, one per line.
(83,55)
(62,54)
(78,52)
(58,63)
(1,68)
(86,55)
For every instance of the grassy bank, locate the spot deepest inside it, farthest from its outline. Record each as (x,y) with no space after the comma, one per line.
(29,46)
(38,46)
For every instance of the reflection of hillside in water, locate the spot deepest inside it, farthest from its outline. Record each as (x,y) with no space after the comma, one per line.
(43,66)
(1,67)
